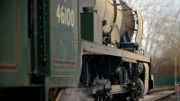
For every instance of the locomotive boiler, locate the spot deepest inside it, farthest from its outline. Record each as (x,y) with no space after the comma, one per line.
(72,50)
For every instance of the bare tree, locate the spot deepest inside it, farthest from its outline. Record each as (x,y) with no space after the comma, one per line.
(162,32)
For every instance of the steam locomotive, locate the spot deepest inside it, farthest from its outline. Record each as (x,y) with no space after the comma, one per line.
(72,50)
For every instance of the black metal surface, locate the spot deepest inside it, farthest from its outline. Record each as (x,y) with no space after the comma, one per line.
(41,30)
(128,45)
(44,58)
(34,93)
(37,78)
(125,37)
(31,31)
(101,87)
(88,9)
(30,18)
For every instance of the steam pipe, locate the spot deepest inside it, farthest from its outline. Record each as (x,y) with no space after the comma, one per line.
(115,16)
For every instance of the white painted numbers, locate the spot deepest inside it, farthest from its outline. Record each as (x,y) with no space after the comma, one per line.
(65,15)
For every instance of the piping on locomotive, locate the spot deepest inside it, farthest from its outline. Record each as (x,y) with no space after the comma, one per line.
(72,50)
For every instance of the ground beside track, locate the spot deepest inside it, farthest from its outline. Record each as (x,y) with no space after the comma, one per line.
(171,98)
(159,93)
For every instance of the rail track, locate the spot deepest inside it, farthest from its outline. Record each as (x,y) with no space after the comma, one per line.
(158,94)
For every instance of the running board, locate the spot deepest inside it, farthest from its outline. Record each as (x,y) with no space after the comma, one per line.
(93,48)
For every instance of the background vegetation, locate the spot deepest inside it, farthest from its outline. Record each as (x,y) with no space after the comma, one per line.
(161,34)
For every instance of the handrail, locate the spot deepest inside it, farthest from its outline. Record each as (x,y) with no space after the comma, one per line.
(178,91)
